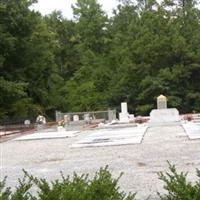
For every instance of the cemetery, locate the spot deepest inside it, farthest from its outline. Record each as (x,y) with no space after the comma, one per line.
(84,142)
(115,87)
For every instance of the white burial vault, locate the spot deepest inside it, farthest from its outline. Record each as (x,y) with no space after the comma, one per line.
(47,135)
(192,130)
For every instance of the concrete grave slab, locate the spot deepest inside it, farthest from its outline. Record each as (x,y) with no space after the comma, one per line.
(116,125)
(192,130)
(110,137)
(48,135)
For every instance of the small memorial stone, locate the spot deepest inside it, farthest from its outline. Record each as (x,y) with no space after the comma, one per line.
(161,102)
(75,118)
(27,122)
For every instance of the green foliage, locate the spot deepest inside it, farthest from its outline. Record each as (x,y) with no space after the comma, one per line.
(28,70)
(101,187)
(94,62)
(4,192)
(14,98)
(21,191)
(178,187)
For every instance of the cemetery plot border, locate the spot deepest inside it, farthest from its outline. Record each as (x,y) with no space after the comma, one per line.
(192,130)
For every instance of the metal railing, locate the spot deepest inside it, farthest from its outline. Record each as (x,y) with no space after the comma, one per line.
(10,126)
(107,115)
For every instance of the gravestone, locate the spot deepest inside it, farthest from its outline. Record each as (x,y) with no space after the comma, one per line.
(124,108)
(124,115)
(163,115)
(27,123)
(75,118)
(161,102)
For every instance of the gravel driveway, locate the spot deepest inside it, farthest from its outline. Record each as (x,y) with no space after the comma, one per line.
(139,162)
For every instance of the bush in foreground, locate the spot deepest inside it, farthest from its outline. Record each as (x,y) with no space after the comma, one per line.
(101,187)
(178,187)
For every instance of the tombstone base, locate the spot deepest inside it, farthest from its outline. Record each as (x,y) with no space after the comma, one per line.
(159,117)
(124,117)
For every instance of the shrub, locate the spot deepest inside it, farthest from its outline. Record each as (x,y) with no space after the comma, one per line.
(178,187)
(101,187)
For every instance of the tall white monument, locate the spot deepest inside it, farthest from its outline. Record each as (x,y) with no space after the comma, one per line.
(124,116)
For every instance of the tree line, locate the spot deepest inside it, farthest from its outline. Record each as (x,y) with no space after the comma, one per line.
(94,62)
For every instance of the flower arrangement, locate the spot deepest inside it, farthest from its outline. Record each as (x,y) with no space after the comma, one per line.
(61,123)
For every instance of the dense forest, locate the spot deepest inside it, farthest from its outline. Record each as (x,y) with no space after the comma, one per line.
(94,62)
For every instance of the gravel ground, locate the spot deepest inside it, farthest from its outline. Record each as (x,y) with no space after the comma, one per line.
(139,162)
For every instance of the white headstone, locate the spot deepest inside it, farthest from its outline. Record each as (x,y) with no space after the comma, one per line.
(75,118)
(124,115)
(27,122)
(163,115)
(161,102)
(124,108)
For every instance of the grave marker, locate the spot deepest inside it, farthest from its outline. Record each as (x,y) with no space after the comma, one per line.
(162,102)
(163,115)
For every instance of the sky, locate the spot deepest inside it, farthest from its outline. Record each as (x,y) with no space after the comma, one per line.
(47,6)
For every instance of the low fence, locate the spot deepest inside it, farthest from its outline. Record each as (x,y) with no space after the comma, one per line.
(15,125)
(93,116)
